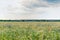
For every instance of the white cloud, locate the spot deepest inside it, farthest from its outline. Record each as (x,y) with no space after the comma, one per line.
(44,13)
(28,9)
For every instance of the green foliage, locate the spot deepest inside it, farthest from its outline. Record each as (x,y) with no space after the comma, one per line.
(29,31)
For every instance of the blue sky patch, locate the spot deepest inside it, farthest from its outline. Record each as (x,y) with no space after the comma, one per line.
(53,1)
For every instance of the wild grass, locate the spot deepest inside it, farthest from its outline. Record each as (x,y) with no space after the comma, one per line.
(29,30)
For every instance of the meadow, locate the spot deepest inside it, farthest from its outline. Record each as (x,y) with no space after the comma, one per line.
(29,30)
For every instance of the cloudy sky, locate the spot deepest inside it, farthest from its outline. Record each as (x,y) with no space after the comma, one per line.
(29,9)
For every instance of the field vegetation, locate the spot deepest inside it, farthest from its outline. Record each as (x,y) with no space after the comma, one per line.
(29,30)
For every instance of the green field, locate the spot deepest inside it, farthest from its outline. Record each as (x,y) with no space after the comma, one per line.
(29,30)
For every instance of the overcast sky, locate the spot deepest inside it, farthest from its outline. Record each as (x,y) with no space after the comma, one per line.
(29,9)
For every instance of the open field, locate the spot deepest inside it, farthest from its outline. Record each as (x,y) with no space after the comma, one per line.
(29,30)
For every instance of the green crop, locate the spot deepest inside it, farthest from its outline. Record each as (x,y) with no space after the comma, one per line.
(29,30)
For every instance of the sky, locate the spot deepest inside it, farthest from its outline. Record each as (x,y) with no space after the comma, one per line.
(29,9)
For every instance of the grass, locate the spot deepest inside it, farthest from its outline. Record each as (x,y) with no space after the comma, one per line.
(29,30)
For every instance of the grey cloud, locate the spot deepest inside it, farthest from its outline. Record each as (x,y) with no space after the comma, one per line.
(32,3)
(41,3)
